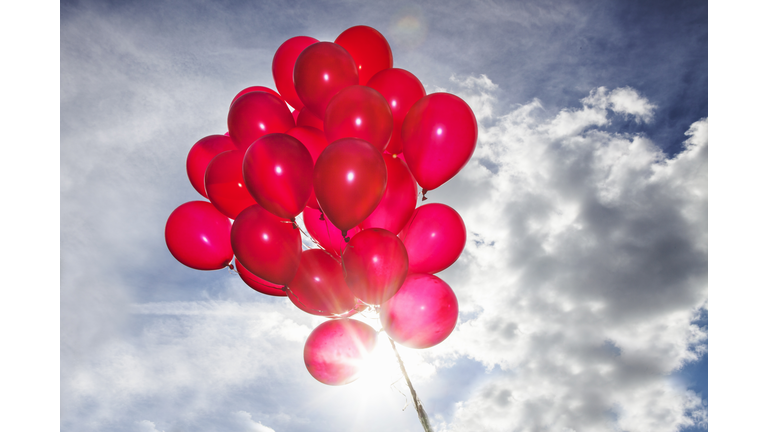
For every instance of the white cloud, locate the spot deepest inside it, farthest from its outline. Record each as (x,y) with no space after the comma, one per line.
(248,424)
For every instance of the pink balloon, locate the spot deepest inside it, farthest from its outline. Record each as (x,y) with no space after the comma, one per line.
(439,136)
(253,89)
(359,112)
(225,185)
(201,154)
(325,232)
(434,237)
(295,114)
(369,48)
(278,173)
(306,118)
(197,235)
(266,245)
(399,199)
(376,265)
(401,89)
(314,140)
(282,67)
(257,283)
(256,114)
(318,288)
(422,313)
(321,71)
(336,351)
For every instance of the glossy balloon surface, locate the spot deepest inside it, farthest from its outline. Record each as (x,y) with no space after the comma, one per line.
(318,287)
(321,71)
(359,112)
(422,314)
(257,283)
(201,154)
(306,118)
(253,89)
(225,185)
(336,351)
(369,48)
(256,114)
(376,264)
(282,67)
(434,237)
(314,140)
(349,180)
(295,114)
(399,199)
(266,245)
(197,235)
(401,89)
(439,136)
(278,173)
(325,232)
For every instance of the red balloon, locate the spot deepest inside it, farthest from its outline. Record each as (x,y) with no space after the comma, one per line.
(201,154)
(321,71)
(306,118)
(359,112)
(434,237)
(422,313)
(253,89)
(282,67)
(198,236)
(336,351)
(325,232)
(225,185)
(350,178)
(295,114)
(266,245)
(439,136)
(256,114)
(376,265)
(399,199)
(257,283)
(278,173)
(369,48)
(314,140)
(401,89)
(318,288)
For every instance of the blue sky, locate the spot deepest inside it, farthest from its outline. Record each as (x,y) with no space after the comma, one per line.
(584,285)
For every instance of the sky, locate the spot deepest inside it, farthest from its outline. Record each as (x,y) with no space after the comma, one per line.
(583,287)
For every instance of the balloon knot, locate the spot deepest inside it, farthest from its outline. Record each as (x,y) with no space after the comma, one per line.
(231,267)
(293,221)
(322,216)
(423,194)
(344,234)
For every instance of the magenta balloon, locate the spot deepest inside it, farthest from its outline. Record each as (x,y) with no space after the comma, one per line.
(201,154)
(376,265)
(225,185)
(278,173)
(295,114)
(256,114)
(325,232)
(253,89)
(266,245)
(434,238)
(257,283)
(359,112)
(306,118)
(439,136)
(314,140)
(282,67)
(399,199)
(321,71)
(401,89)
(369,48)
(422,313)
(336,351)
(197,235)
(318,288)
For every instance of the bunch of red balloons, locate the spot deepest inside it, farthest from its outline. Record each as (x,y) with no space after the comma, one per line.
(349,157)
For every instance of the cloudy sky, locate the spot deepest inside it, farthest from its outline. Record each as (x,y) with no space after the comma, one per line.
(583,287)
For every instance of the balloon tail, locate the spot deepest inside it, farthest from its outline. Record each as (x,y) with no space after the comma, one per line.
(344,234)
(423,194)
(423,418)
(322,215)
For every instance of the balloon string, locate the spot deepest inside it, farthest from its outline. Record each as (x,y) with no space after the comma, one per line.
(392,386)
(423,418)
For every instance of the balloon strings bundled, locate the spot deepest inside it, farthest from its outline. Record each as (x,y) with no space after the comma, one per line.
(423,418)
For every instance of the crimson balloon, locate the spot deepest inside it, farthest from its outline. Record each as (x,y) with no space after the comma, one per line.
(318,287)
(434,237)
(359,112)
(253,89)
(277,169)
(349,180)
(321,71)
(376,265)
(201,154)
(197,235)
(399,199)
(282,67)
(422,313)
(266,245)
(336,351)
(306,118)
(325,232)
(439,136)
(257,283)
(369,48)
(256,114)
(295,114)
(314,140)
(401,89)
(225,185)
